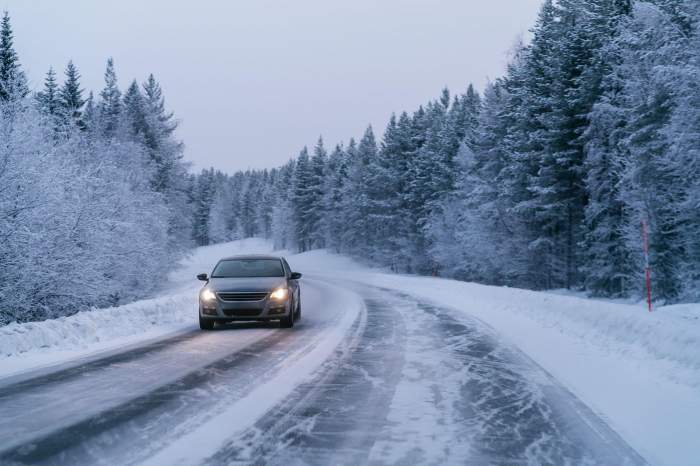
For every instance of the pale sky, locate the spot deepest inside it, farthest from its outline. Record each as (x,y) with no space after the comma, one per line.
(253,82)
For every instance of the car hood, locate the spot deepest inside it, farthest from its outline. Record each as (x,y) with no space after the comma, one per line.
(246,284)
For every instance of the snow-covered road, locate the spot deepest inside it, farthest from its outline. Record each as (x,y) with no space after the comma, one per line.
(369,376)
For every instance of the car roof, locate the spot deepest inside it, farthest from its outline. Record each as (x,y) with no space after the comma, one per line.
(252,256)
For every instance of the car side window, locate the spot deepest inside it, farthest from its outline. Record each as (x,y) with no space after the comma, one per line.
(287,269)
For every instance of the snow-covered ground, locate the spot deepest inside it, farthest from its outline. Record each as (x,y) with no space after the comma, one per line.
(638,371)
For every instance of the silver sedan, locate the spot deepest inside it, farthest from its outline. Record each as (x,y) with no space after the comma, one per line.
(250,287)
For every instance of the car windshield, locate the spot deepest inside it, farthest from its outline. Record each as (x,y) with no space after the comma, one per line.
(237,268)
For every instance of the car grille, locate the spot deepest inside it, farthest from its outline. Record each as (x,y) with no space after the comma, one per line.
(242,296)
(242,312)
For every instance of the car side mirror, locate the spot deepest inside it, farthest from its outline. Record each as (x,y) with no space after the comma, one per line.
(295,276)
(203,277)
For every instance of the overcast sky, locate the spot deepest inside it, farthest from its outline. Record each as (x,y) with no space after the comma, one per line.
(254,81)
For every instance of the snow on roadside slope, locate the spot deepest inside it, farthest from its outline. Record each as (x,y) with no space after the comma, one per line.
(35,344)
(639,371)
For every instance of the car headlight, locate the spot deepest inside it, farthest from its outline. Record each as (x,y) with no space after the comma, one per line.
(280,294)
(207,295)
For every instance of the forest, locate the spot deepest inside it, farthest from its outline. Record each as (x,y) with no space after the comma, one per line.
(542,180)
(94,205)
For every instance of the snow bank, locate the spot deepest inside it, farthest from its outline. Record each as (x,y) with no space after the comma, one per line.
(85,328)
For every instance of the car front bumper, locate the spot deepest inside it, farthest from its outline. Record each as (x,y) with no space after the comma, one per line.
(266,309)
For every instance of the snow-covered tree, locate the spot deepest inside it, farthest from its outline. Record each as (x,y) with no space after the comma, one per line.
(110,106)
(71,95)
(13,82)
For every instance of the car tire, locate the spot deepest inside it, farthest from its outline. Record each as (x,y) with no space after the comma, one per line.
(206,324)
(297,313)
(287,321)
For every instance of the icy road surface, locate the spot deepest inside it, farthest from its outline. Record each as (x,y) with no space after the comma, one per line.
(369,376)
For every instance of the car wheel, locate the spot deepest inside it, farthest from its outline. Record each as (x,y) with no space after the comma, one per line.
(206,324)
(297,313)
(287,321)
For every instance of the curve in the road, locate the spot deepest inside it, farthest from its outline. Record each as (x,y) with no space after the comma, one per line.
(411,383)
(428,385)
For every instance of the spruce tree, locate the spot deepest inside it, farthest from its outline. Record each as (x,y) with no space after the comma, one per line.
(90,117)
(334,183)
(654,181)
(13,83)
(110,106)
(606,266)
(134,116)
(316,195)
(302,200)
(48,98)
(71,95)
(159,127)
(387,182)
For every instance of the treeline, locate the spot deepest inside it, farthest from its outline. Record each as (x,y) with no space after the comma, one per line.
(541,182)
(94,195)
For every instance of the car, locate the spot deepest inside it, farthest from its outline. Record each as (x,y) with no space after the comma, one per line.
(250,288)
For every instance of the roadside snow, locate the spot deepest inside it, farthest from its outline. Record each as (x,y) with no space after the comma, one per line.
(36,344)
(639,371)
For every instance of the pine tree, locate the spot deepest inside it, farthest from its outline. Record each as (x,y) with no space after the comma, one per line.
(334,183)
(204,194)
(654,182)
(71,95)
(606,259)
(387,181)
(90,117)
(283,225)
(354,202)
(432,175)
(356,197)
(302,200)
(159,127)
(110,106)
(316,196)
(134,113)
(48,99)
(13,83)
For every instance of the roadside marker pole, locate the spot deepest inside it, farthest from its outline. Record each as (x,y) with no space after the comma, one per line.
(647,267)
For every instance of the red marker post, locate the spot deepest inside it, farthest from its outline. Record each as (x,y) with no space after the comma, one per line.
(647,266)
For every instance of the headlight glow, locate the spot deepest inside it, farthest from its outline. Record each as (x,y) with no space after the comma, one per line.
(207,295)
(279,294)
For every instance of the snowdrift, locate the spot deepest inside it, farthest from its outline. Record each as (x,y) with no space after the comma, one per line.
(86,328)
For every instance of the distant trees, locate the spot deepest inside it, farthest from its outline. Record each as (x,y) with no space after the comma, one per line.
(543,181)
